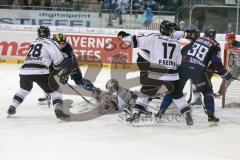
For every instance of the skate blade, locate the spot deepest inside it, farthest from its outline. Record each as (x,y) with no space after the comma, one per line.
(133,124)
(42,103)
(64,120)
(126,111)
(213,124)
(9,116)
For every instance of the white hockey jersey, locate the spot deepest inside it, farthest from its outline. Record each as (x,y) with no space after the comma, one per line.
(123,98)
(162,52)
(41,54)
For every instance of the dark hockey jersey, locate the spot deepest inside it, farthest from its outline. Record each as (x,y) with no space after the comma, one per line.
(68,50)
(198,54)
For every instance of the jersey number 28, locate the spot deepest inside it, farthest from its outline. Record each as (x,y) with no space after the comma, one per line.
(34,50)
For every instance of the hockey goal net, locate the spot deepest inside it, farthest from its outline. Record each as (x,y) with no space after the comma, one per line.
(231,89)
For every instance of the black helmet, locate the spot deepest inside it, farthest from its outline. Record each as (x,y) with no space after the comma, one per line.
(59,38)
(192,34)
(167,28)
(43,31)
(210,32)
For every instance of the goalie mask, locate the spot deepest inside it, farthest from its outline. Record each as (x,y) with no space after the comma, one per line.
(112,85)
(230,38)
(167,28)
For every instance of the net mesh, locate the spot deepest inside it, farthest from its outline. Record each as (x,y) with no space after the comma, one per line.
(231,91)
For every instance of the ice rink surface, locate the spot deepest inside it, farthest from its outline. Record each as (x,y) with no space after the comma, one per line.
(35,133)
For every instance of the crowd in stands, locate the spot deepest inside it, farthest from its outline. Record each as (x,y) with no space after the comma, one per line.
(141,5)
(137,5)
(36,4)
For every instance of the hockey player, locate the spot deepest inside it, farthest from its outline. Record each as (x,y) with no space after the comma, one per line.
(72,67)
(231,43)
(115,99)
(196,57)
(41,54)
(231,40)
(158,59)
(191,35)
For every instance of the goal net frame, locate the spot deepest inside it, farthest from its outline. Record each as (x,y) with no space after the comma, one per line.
(232,63)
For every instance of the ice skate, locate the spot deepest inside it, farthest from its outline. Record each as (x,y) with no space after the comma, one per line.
(160,114)
(45,100)
(11,111)
(62,116)
(213,120)
(188,118)
(217,95)
(134,117)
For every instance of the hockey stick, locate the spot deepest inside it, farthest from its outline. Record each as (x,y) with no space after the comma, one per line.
(191,92)
(215,72)
(76,91)
(48,100)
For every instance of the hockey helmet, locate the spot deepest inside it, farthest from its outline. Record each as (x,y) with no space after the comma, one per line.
(230,35)
(192,34)
(112,85)
(167,28)
(210,32)
(230,38)
(43,31)
(60,38)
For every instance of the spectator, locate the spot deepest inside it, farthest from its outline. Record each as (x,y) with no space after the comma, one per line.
(138,5)
(43,3)
(122,7)
(68,3)
(29,4)
(182,26)
(150,5)
(16,4)
(55,3)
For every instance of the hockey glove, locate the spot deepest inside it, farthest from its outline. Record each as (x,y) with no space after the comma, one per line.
(228,76)
(63,79)
(122,34)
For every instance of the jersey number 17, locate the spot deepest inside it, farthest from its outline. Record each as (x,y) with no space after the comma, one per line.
(165,50)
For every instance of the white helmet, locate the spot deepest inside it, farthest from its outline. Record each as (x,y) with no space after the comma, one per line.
(112,85)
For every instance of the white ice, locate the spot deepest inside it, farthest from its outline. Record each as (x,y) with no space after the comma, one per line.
(35,134)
